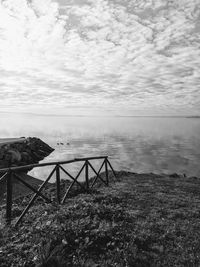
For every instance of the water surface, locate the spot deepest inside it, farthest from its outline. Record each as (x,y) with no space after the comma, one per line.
(138,144)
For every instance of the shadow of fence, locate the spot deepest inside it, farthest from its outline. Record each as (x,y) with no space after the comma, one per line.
(19,174)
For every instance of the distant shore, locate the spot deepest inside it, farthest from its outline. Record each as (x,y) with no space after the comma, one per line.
(96,115)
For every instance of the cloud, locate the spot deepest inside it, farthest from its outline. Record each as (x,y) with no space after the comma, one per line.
(134,57)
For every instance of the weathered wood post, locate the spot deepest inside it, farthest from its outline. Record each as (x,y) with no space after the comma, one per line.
(106,171)
(87,175)
(58,183)
(9,197)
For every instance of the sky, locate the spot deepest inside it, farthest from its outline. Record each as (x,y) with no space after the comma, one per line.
(100,57)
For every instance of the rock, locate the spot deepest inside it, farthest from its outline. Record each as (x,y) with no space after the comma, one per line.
(23,151)
(174,175)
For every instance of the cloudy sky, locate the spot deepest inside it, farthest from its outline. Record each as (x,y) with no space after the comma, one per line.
(104,57)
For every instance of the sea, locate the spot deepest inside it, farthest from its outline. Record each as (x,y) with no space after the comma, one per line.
(161,145)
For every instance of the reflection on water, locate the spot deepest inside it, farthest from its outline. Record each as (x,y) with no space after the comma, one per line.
(160,145)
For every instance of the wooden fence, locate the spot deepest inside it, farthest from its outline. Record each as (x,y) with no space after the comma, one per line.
(16,173)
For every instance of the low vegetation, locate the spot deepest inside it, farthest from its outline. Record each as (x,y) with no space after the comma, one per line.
(139,220)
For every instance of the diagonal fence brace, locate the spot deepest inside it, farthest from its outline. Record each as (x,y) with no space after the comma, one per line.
(3,176)
(35,196)
(111,169)
(97,174)
(74,181)
(31,187)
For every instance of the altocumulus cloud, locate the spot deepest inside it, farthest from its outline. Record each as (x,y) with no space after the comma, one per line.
(121,57)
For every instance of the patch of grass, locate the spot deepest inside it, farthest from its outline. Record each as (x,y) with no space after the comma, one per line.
(142,220)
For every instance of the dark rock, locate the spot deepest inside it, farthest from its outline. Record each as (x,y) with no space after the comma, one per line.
(23,151)
(174,175)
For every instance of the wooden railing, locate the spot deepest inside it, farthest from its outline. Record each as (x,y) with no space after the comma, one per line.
(16,173)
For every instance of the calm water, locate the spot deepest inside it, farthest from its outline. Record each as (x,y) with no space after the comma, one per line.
(160,145)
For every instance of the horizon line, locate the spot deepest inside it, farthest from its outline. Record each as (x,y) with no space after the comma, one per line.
(94,116)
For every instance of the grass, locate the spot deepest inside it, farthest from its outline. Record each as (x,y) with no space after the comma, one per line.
(141,220)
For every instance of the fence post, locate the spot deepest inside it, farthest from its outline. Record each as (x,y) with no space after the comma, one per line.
(58,183)
(87,175)
(9,197)
(106,171)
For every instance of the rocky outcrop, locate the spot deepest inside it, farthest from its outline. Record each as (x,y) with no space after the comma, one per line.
(23,151)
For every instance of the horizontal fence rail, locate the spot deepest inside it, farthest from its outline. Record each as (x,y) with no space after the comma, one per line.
(19,173)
